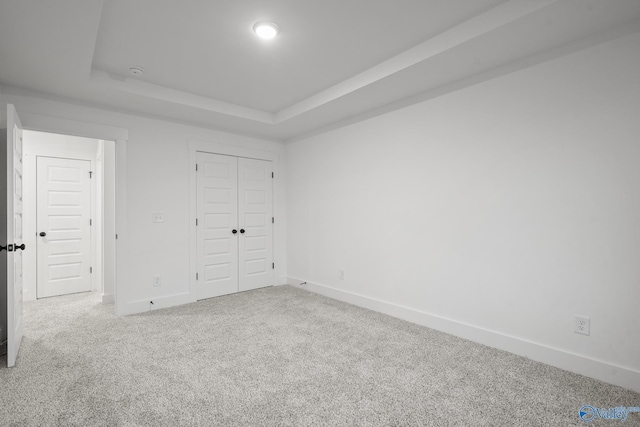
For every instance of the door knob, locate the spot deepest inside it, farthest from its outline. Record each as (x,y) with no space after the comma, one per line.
(242,230)
(11,248)
(42,234)
(234,231)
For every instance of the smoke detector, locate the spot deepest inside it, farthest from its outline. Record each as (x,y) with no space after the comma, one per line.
(136,71)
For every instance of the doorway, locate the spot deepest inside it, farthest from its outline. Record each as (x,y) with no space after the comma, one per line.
(114,208)
(69,188)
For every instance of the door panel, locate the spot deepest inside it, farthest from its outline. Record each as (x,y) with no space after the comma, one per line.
(63,213)
(217,212)
(255,208)
(233,194)
(11,232)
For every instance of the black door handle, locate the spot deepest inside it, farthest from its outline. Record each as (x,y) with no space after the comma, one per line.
(11,248)
(242,230)
(234,231)
(42,234)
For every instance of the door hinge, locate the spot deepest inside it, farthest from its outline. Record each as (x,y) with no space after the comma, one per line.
(90,222)
(90,270)
(273,221)
(196,222)
(273,265)
(196,167)
(196,276)
(272,175)
(116,237)
(90,174)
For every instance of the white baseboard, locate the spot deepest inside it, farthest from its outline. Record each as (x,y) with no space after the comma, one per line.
(141,306)
(108,298)
(28,296)
(172,300)
(600,370)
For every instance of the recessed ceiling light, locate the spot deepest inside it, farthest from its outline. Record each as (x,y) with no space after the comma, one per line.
(136,71)
(266,30)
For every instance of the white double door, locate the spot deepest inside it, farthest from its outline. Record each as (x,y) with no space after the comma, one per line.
(234,224)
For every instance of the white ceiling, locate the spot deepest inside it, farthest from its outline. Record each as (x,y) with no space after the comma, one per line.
(335,61)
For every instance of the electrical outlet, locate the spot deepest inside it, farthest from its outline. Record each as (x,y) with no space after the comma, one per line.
(158,217)
(582,325)
(341,274)
(156,280)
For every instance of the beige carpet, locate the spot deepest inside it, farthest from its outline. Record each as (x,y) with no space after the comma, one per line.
(275,356)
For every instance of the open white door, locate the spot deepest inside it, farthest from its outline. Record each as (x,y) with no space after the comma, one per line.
(11,233)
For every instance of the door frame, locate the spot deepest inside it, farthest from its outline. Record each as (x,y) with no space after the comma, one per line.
(35,147)
(216,147)
(50,124)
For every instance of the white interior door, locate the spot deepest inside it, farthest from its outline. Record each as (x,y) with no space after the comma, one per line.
(63,226)
(217,218)
(11,233)
(255,210)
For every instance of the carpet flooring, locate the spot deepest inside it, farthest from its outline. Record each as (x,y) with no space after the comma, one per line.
(278,356)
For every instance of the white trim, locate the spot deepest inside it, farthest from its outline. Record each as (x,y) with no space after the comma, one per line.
(142,306)
(598,369)
(51,124)
(162,93)
(98,202)
(133,307)
(121,249)
(31,151)
(216,147)
(171,301)
(108,299)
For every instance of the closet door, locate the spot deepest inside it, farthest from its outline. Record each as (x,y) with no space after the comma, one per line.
(255,209)
(217,210)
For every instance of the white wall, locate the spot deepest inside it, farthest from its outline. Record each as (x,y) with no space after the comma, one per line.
(157,176)
(497,212)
